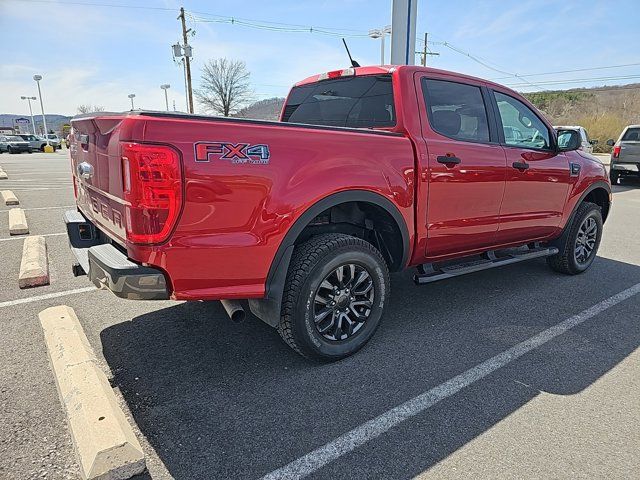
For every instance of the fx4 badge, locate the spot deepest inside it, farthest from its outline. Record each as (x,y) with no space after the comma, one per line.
(236,152)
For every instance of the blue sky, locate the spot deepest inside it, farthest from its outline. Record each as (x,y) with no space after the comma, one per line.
(98,55)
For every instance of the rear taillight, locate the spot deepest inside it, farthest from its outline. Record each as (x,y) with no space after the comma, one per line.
(616,151)
(152,185)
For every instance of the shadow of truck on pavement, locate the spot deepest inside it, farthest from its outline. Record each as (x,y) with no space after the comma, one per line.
(219,400)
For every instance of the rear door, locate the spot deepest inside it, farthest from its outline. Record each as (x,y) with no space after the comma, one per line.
(538,178)
(465,168)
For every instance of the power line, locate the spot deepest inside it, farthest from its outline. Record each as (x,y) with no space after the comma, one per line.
(579,80)
(574,70)
(99,4)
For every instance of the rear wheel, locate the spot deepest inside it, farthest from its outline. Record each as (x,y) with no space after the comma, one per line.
(334,295)
(579,243)
(9,149)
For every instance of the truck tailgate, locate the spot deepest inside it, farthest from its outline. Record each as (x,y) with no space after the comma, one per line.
(97,170)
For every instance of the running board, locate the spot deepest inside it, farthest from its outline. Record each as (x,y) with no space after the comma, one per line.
(432,272)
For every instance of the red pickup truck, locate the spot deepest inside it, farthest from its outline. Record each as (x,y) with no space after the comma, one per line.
(369,170)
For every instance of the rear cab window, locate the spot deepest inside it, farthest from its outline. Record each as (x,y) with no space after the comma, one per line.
(357,102)
(631,135)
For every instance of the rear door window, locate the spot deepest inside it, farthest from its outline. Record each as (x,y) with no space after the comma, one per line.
(456,110)
(631,135)
(359,102)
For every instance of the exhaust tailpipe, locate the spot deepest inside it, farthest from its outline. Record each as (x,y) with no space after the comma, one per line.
(234,309)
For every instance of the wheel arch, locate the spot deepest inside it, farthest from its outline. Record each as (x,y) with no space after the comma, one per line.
(268,308)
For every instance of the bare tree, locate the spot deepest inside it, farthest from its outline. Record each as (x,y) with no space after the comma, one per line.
(224,86)
(90,108)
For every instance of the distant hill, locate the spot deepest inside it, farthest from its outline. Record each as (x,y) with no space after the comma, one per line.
(603,111)
(54,122)
(267,109)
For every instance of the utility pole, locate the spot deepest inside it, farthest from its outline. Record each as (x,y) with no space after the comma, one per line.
(186,59)
(425,52)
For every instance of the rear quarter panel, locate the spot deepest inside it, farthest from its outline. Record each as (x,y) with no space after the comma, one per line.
(235,215)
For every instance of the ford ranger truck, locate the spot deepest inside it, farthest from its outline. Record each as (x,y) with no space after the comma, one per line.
(369,170)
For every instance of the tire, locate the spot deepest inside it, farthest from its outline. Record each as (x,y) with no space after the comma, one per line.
(42,147)
(314,266)
(567,260)
(614,176)
(29,150)
(10,150)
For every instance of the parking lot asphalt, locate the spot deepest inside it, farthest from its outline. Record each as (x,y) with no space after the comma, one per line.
(212,399)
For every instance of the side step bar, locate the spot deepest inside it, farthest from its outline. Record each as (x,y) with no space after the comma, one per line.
(432,272)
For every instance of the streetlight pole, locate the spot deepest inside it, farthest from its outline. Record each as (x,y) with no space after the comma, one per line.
(33,123)
(37,78)
(131,97)
(166,87)
(380,33)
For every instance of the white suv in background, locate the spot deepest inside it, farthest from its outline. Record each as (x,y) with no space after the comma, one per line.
(586,144)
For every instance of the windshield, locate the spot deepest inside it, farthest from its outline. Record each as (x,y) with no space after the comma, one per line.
(360,102)
(631,135)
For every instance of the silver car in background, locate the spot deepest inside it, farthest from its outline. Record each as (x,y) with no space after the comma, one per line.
(586,144)
(13,144)
(625,156)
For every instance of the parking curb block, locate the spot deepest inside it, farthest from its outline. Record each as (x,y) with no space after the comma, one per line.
(3,175)
(17,222)
(9,198)
(103,440)
(34,267)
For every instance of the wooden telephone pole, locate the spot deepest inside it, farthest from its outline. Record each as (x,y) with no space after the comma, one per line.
(187,59)
(425,52)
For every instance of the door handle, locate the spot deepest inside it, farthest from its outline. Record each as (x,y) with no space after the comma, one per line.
(520,165)
(448,160)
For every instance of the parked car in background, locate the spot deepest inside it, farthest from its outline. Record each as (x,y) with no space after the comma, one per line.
(13,144)
(586,144)
(35,142)
(54,140)
(625,156)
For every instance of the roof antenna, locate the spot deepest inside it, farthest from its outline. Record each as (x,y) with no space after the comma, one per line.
(353,62)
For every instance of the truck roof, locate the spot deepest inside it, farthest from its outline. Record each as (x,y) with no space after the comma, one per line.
(387,69)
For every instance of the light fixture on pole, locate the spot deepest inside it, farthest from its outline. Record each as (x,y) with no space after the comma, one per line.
(380,33)
(182,54)
(37,78)
(131,97)
(166,87)
(33,123)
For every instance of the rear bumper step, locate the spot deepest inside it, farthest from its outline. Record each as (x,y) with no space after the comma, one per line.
(432,272)
(109,268)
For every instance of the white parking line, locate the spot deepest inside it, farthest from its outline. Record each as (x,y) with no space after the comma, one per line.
(44,208)
(35,189)
(47,296)
(24,236)
(372,429)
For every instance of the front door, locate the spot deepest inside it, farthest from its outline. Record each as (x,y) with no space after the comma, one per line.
(465,169)
(538,177)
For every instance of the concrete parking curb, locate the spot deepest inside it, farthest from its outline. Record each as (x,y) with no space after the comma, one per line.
(3,175)
(104,442)
(9,198)
(17,222)
(34,268)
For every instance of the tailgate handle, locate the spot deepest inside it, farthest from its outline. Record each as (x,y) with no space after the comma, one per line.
(85,170)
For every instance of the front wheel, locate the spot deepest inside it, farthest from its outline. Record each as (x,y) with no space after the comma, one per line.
(334,295)
(579,243)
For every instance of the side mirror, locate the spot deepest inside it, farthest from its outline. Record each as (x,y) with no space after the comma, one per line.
(611,142)
(568,140)
(593,142)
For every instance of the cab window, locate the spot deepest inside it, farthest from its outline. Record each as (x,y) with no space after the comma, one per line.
(521,126)
(456,110)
